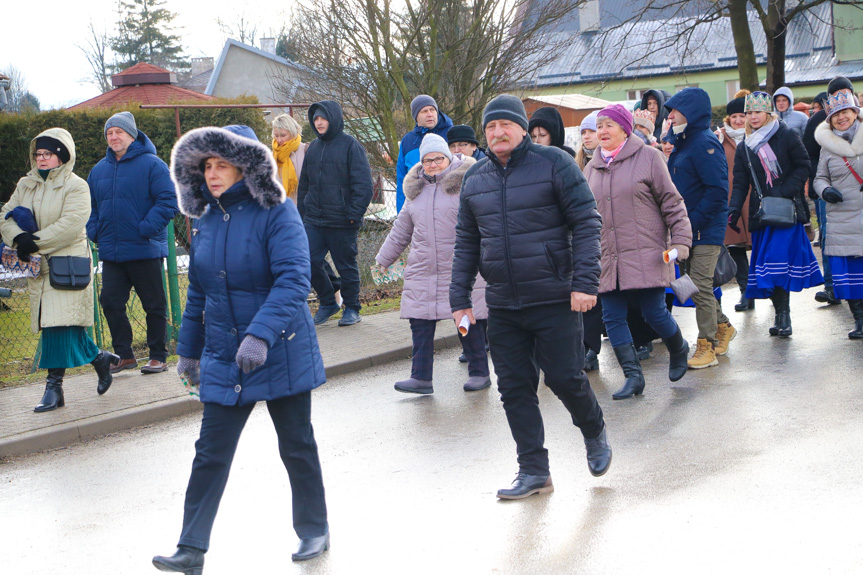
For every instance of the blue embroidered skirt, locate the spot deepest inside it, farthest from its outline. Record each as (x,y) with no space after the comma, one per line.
(847,276)
(67,346)
(781,258)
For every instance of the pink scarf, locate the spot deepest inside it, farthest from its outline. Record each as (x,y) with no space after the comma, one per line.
(608,157)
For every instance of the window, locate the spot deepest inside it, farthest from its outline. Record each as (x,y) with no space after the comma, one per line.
(731,88)
(635,94)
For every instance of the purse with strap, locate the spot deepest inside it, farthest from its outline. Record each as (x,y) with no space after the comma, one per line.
(726,268)
(775,212)
(69,272)
(854,173)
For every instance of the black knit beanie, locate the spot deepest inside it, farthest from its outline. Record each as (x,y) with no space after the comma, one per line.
(735,106)
(505,107)
(839,83)
(53,145)
(461,133)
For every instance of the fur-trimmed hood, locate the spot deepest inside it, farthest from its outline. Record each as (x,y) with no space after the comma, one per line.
(451,181)
(254,159)
(829,141)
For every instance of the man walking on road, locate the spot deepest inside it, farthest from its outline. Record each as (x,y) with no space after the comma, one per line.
(528,222)
(699,170)
(133,200)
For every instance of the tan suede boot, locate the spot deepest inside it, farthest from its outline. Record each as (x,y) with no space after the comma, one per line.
(704,356)
(725,332)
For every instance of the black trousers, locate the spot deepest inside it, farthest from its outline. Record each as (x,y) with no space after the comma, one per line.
(341,243)
(145,276)
(738,254)
(547,337)
(221,427)
(422,359)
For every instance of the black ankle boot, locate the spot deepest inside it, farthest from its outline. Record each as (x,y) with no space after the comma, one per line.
(53,397)
(591,360)
(103,363)
(186,560)
(856,306)
(745,303)
(634,383)
(678,355)
(783,315)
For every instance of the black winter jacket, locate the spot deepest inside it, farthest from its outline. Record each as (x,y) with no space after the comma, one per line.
(794,163)
(335,185)
(530,228)
(813,148)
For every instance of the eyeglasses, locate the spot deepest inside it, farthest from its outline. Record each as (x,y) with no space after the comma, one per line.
(43,155)
(460,145)
(439,160)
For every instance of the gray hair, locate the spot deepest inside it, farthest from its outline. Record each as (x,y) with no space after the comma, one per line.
(287,123)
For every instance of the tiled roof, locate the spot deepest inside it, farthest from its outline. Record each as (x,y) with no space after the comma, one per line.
(198,83)
(142,68)
(143,94)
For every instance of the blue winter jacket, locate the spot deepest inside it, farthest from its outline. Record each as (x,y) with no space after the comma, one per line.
(132,199)
(249,273)
(409,151)
(699,168)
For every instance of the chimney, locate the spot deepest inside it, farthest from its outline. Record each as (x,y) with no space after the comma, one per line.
(201,65)
(268,45)
(588,16)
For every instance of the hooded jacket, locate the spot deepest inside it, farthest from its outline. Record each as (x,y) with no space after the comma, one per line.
(698,168)
(530,228)
(792,118)
(549,119)
(427,223)
(249,273)
(335,186)
(61,206)
(661,97)
(844,219)
(409,151)
(133,199)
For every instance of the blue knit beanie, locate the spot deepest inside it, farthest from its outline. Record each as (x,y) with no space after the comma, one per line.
(505,107)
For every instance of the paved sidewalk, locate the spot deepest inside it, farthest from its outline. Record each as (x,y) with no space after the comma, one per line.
(135,399)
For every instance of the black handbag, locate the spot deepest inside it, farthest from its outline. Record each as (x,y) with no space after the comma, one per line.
(726,268)
(69,272)
(775,212)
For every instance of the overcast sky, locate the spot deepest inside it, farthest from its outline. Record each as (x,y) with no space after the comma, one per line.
(40,39)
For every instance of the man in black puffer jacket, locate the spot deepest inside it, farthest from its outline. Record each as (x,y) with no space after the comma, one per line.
(334,191)
(528,223)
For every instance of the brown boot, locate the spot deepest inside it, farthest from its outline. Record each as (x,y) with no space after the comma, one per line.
(705,356)
(725,332)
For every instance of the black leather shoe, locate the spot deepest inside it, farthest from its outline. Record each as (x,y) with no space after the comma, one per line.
(678,356)
(462,358)
(186,560)
(525,485)
(591,360)
(827,296)
(857,333)
(102,364)
(311,547)
(53,396)
(634,382)
(598,454)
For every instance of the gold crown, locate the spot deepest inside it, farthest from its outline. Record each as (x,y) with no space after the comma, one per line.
(758,102)
(841,100)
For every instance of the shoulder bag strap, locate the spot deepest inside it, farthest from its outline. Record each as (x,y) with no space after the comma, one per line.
(751,170)
(856,175)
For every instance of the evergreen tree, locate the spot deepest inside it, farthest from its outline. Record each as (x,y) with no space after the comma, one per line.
(145,35)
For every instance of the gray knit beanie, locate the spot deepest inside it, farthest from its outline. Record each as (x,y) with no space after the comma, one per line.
(123,120)
(421,102)
(434,143)
(505,107)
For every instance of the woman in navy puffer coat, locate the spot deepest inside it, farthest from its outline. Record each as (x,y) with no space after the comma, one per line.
(247,333)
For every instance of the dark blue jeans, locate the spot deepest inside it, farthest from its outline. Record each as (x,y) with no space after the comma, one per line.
(221,427)
(341,243)
(652,304)
(821,214)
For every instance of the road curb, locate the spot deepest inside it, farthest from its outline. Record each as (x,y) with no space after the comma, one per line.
(66,434)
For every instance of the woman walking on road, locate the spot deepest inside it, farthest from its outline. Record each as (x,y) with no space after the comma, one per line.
(249,275)
(47,216)
(774,164)
(643,215)
(839,182)
(427,224)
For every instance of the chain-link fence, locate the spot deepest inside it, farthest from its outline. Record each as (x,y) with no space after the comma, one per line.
(19,347)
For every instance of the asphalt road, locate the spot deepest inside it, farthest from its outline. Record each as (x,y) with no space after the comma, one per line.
(752,467)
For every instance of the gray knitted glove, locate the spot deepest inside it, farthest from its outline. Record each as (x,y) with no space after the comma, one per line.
(252,353)
(190,367)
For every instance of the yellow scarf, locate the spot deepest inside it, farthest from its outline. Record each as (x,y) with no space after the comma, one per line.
(286,166)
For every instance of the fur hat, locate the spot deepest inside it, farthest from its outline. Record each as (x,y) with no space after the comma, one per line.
(645,119)
(758,102)
(841,100)
(239,146)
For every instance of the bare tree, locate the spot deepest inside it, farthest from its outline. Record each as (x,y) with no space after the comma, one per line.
(240,27)
(20,99)
(96,50)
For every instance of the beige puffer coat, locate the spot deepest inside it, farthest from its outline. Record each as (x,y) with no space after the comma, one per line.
(61,205)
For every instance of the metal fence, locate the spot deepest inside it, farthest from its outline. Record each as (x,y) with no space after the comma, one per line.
(19,347)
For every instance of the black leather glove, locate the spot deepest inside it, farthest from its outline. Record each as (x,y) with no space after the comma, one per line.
(733,217)
(832,195)
(26,243)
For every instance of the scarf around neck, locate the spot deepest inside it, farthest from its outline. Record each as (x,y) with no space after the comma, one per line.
(287,170)
(736,135)
(757,141)
(608,157)
(848,135)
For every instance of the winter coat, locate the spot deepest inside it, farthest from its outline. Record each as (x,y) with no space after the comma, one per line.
(661,97)
(844,219)
(743,237)
(61,205)
(335,186)
(409,151)
(813,148)
(792,118)
(551,121)
(249,274)
(698,168)
(531,229)
(642,216)
(427,223)
(794,163)
(133,199)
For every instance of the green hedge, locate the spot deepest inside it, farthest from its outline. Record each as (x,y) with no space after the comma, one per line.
(86,127)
